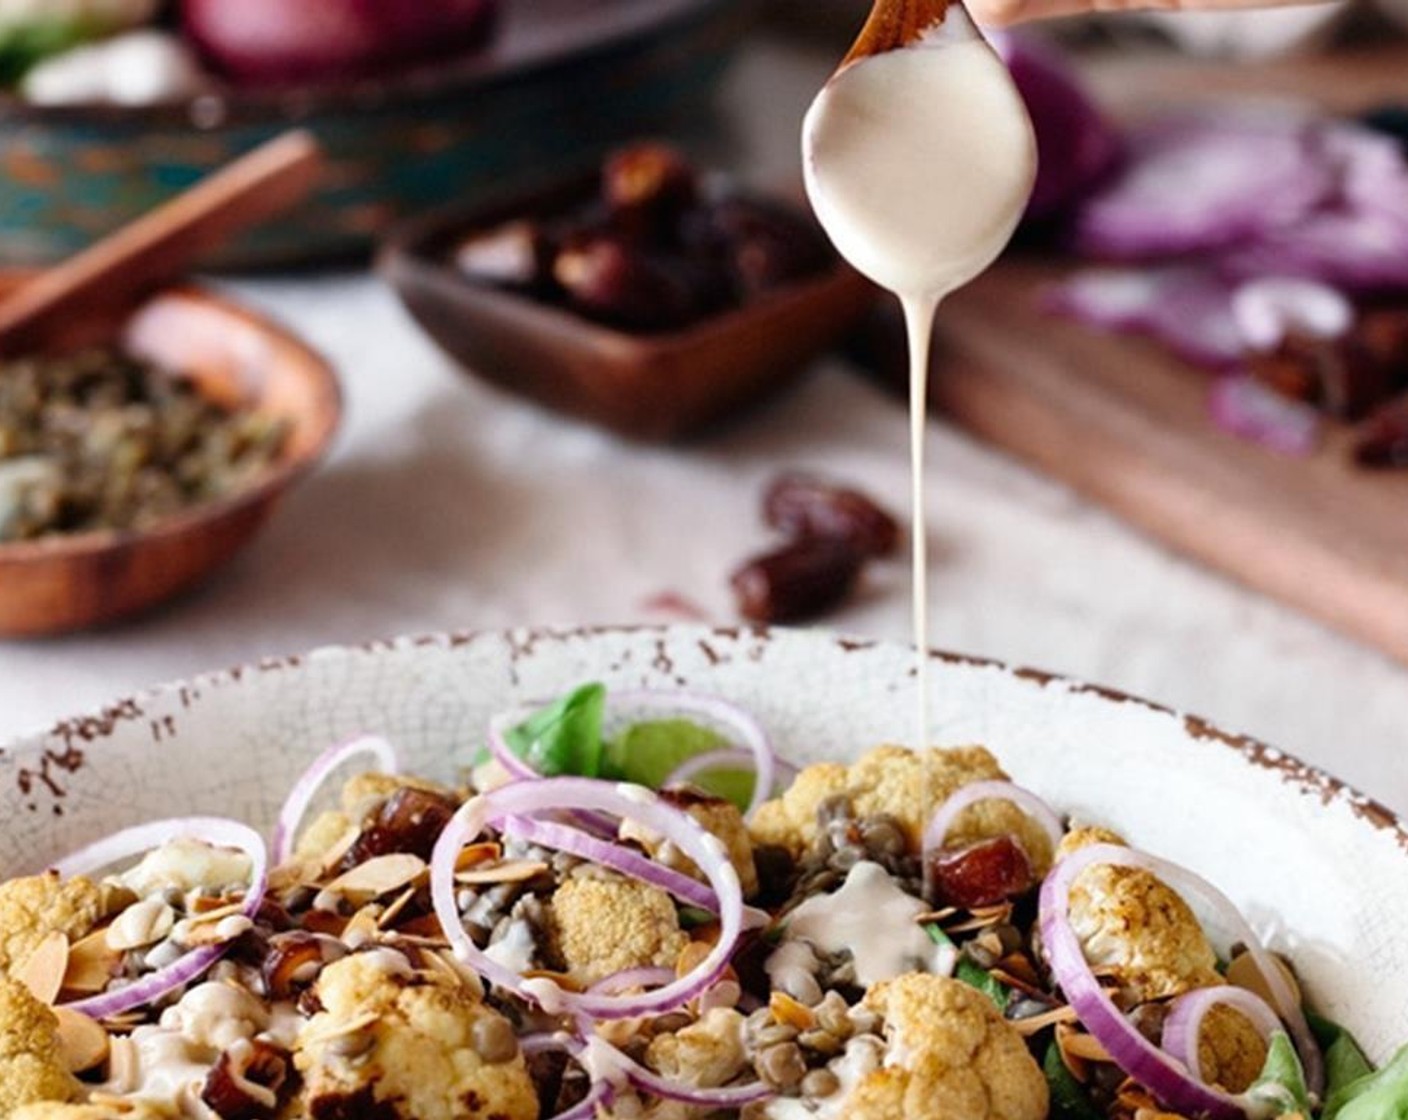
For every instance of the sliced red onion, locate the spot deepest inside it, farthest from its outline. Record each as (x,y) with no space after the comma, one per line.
(1185,307)
(727,758)
(1267,310)
(1358,238)
(618,857)
(1244,407)
(971,794)
(599,1096)
(1166,1078)
(499,727)
(1196,183)
(738,727)
(1183,1028)
(217,832)
(312,780)
(622,800)
(1077,146)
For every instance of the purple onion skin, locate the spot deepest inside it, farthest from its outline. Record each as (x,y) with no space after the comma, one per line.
(1077,146)
(291,42)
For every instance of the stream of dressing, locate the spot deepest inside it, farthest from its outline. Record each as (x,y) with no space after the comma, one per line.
(919,163)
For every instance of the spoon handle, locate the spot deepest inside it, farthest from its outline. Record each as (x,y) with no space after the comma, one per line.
(162,245)
(894,24)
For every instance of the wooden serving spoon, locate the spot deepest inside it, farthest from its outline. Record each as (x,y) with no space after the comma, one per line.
(161,246)
(894,24)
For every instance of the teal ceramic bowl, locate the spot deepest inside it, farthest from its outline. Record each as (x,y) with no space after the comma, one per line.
(562,81)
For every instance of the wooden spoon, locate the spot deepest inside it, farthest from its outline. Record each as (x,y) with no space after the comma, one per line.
(894,24)
(161,246)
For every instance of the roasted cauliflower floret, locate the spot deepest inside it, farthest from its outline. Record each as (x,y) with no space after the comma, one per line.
(1137,928)
(907,785)
(706,1054)
(600,926)
(396,1044)
(33,908)
(716,816)
(950,1055)
(32,1068)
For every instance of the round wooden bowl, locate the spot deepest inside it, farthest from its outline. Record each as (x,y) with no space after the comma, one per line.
(70,582)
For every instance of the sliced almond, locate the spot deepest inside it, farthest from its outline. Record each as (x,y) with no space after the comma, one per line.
(330,859)
(475,854)
(216,931)
(145,923)
(362,928)
(512,871)
(395,910)
(91,964)
(213,915)
(1087,1047)
(1034,1023)
(84,1043)
(380,876)
(330,1030)
(43,972)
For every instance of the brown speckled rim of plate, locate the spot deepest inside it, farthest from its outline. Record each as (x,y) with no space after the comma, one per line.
(326,420)
(92,728)
(228,104)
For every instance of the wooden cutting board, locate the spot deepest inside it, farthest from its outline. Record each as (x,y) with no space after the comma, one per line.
(1127,424)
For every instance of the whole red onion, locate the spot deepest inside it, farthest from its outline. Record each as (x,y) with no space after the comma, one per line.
(289,41)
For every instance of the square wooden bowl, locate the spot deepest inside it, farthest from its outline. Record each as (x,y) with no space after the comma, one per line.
(654,387)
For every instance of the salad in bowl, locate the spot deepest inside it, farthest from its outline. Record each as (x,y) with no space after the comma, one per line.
(628,904)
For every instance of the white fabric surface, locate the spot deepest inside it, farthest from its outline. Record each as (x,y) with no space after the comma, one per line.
(449,505)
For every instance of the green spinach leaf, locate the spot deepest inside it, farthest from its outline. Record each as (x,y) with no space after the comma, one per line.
(972,974)
(1282,1080)
(564,737)
(1345,1063)
(1373,1096)
(1069,1100)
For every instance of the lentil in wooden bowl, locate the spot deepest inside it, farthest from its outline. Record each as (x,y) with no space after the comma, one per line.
(154,449)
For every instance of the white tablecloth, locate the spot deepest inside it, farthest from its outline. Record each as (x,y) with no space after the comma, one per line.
(448,505)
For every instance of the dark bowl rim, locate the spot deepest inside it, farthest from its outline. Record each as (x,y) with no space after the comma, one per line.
(281,476)
(225,104)
(412,248)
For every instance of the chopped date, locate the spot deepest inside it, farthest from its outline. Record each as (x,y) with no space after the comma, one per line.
(982,874)
(255,1065)
(808,508)
(410,820)
(652,250)
(1383,439)
(798,581)
(610,280)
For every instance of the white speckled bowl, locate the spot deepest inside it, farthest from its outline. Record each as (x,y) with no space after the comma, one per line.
(1319,868)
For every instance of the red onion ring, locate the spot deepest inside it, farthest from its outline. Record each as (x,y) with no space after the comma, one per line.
(295,808)
(1033,806)
(1165,1078)
(729,720)
(727,758)
(1183,1029)
(628,978)
(622,800)
(217,832)
(628,861)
